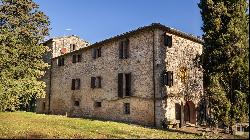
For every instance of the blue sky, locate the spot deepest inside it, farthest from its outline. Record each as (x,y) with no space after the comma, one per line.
(96,20)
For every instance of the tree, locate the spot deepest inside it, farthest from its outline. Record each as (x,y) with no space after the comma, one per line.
(225,58)
(23,28)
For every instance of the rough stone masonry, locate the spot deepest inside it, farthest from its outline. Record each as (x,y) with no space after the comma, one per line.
(148,76)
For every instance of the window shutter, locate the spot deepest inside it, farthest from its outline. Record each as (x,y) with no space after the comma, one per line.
(126,49)
(79,57)
(120,85)
(74,59)
(98,82)
(94,53)
(99,52)
(73,84)
(59,62)
(170,41)
(62,63)
(78,83)
(164,78)
(92,82)
(172,78)
(128,84)
(121,49)
(74,47)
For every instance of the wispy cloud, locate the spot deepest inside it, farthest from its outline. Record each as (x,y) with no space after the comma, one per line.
(68,29)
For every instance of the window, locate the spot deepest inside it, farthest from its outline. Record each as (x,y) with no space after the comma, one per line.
(124,84)
(168,40)
(98,104)
(75,84)
(76,103)
(126,108)
(168,78)
(76,58)
(60,61)
(72,47)
(96,82)
(124,49)
(96,52)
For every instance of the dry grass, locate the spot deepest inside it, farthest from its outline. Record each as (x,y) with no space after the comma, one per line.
(23,125)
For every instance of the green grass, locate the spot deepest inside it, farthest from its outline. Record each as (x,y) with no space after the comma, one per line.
(31,125)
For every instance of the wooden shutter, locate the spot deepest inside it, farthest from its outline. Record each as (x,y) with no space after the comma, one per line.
(98,80)
(165,78)
(128,84)
(94,53)
(93,82)
(79,56)
(74,59)
(59,62)
(120,85)
(73,84)
(78,83)
(126,49)
(170,78)
(121,49)
(62,63)
(170,41)
(99,52)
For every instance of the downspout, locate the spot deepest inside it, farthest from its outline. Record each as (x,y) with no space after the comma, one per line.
(50,72)
(154,76)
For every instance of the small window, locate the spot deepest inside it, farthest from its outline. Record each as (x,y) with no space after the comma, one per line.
(76,58)
(60,61)
(98,104)
(168,40)
(96,52)
(96,82)
(167,78)
(72,47)
(124,49)
(75,84)
(126,108)
(76,103)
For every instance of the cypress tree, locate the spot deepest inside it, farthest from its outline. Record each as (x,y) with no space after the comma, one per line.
(225,59)
(22,29)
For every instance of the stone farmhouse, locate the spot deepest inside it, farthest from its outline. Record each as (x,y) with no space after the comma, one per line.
(148,76)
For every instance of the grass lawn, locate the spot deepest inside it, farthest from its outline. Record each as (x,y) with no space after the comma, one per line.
(30,125)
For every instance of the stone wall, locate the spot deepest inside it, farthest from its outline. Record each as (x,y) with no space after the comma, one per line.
(55,45)
(107,66)
(182,54)
(148,59)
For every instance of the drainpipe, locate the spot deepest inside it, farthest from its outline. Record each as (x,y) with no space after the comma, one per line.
(154,76)
(50,72)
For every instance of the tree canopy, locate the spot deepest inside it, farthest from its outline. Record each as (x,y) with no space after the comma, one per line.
(225,58)
(22,29)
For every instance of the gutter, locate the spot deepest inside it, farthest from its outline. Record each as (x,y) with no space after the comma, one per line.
(154,75)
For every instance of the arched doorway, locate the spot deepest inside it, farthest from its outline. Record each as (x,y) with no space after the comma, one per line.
(189,112)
